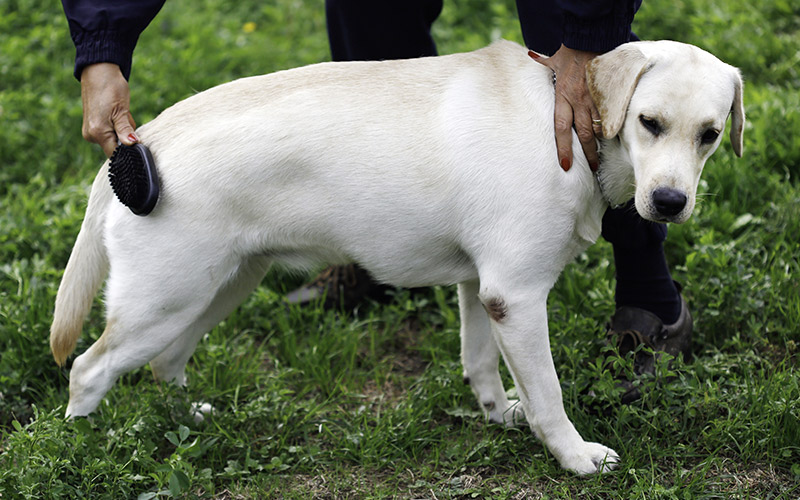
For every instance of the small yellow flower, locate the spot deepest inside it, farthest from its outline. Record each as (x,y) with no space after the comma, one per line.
(249,27)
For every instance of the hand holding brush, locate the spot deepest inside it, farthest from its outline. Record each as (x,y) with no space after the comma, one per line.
(107,121)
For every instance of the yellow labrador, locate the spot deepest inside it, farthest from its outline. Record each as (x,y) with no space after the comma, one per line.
(428,171)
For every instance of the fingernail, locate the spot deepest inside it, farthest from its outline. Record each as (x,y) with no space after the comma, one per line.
(565,164)
(594,166)
(533,54)
(132,137)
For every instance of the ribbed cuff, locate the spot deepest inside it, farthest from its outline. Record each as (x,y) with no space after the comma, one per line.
(102,46)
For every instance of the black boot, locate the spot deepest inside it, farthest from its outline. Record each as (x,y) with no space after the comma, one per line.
(631,327)
(340,286)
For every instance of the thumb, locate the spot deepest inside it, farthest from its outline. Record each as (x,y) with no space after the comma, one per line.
(125,127)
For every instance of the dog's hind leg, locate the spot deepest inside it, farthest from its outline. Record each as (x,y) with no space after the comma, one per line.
(152,302)
(170,365)
(480,358)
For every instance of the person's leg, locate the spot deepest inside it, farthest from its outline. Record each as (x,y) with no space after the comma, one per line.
(643,277)
(364,30)
(649,307)
(540,21)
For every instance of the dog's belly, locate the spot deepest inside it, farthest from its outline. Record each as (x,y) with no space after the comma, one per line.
(444,265)
(404,264)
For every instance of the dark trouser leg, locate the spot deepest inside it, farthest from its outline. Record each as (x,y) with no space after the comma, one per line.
(643,278)
(540,22)
(361,30)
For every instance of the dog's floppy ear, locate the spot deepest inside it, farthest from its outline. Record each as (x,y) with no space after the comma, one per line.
(612,78)
(737,114)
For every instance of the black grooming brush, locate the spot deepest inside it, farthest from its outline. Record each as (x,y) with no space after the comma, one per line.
(133,177)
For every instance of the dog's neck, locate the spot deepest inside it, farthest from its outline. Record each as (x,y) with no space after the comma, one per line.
(615,175)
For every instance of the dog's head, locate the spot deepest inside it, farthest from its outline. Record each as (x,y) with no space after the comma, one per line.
(667,103)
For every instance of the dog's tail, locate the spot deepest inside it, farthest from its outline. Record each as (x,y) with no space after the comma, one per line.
(85,272)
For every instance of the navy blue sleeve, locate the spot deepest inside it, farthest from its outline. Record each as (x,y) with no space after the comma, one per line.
(597,25)
(107,31)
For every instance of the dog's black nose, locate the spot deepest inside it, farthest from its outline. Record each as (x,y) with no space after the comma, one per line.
(668,201)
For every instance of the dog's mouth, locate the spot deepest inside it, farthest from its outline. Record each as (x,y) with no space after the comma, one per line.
(659,218)
(652,213)
(664,220)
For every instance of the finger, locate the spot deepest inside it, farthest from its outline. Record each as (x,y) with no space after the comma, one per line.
(98,132)
(109,144)
(563,128)
(124,127)
(108,137)
(545,61)
(590,151)
(597,124)
(562,117)
(585,133)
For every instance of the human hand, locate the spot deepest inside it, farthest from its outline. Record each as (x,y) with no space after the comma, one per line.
(573,105)
(106,107)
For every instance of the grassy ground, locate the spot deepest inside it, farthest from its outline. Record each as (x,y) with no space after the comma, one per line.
(311,404)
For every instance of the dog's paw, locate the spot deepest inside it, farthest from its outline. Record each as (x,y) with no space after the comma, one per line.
(200,410)
(591,458)
(511,416)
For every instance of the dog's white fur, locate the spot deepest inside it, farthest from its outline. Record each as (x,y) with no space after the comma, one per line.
(429,171)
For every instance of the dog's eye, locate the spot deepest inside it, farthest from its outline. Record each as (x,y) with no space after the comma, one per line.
(651,125)
(709,136)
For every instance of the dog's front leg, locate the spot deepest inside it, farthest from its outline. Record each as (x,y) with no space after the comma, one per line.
(480,358)
(520,325)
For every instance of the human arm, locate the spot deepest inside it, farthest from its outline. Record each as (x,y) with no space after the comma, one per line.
(105,35)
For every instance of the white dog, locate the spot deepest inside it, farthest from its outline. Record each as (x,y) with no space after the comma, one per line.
(427,171)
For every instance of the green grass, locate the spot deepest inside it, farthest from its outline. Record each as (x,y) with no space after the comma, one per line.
(314,404)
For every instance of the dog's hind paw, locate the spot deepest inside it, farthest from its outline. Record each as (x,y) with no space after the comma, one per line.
(200,410)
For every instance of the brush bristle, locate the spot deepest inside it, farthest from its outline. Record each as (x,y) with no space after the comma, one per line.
(126,174)
(133,178)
